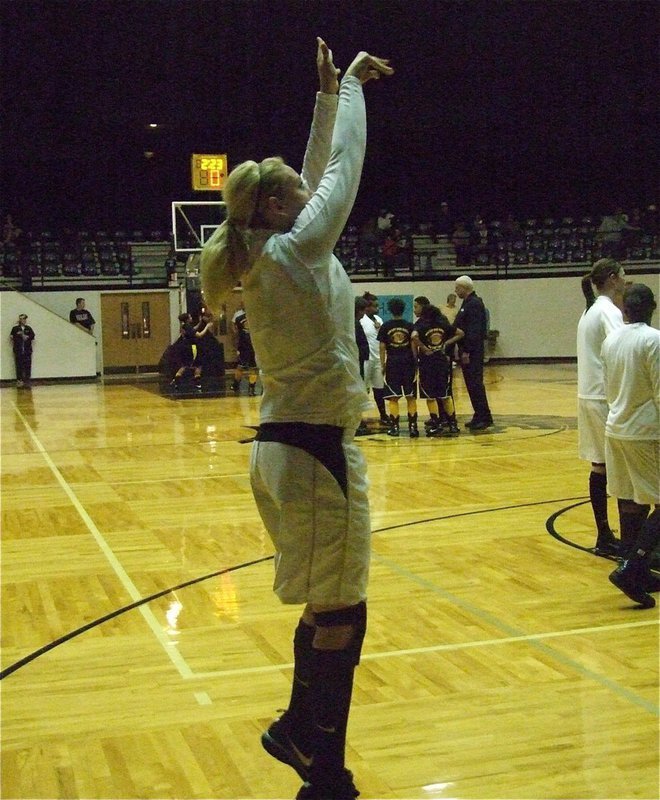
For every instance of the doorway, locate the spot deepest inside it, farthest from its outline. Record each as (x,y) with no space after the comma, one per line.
(136,330)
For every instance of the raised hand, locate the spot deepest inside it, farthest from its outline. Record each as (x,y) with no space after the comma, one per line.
(328,73)
(366,67)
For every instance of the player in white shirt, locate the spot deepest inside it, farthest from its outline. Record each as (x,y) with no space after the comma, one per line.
(601,317)
(631,370)
(373,368)
(307,475)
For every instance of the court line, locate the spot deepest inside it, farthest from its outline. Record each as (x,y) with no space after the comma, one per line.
(438,648)
(144,600)
(491,619)
(170,649)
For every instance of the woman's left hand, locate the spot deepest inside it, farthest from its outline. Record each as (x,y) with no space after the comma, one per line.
(328,73)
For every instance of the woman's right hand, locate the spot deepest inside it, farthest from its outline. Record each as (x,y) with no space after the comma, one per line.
(366,67)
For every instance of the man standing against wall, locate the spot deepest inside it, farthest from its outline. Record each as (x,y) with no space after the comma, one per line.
(471,320)
(22,337)
(81,317)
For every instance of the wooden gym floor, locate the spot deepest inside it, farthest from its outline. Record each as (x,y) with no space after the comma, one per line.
(499,661)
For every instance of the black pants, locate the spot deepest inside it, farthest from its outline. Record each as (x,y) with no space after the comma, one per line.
(473,373)
(23,365)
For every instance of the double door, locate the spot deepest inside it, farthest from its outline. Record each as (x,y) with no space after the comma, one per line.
(136,330)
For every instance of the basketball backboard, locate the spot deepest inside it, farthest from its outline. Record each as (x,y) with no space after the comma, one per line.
(193,223)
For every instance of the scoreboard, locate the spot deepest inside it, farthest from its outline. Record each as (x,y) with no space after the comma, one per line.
(208,172)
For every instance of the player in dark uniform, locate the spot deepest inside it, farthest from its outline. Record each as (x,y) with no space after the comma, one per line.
(247,361)
(432,338)
(443,402)
(398,360)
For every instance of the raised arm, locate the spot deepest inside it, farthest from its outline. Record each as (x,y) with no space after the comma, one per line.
(321,222)
(325,110)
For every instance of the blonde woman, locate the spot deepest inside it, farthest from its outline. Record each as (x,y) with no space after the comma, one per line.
(307,475)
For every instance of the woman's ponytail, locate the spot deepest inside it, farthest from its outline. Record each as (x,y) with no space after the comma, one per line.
(225,258)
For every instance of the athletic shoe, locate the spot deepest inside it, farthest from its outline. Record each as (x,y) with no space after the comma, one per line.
(252,392)
(235,386)
(277,742)
(385,421)
(471,423)
(335,787)
(607,544)
(454,430)
(481,426)
(630,579)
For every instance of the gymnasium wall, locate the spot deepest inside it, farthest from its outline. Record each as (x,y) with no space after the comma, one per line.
(61,350)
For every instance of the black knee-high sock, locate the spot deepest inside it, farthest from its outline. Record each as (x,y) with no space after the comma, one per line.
(298,712)
(380,401)
(331,691)
(649,536)
(598,497)
(631,519)
(330,697)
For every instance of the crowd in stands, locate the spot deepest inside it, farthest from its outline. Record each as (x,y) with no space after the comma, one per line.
(32,256)
(389,243)
(386,244)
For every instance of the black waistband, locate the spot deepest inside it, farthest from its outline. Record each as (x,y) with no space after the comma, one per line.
(322,442)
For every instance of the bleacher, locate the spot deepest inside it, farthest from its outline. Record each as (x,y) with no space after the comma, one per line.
(122,259)
(535,247)
(144,259)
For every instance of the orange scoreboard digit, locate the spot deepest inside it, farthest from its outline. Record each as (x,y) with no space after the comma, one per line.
(208,172)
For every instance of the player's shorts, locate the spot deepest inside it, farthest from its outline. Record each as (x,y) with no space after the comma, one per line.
(633,469)
(434,372)
(373,374)
(591,419)
(400,379)
(310,486)
(247,359)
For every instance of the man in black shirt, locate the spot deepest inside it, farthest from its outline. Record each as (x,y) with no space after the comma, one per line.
(471,320)
(81,317)
(21,337)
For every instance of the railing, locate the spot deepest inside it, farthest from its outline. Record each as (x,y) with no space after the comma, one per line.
(50,264)
(532,255)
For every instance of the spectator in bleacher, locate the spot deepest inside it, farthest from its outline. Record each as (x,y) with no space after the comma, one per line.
(81,317)
(444,225)
(369,239)
(610,234)
(461,241)
(384,222)
(510,227)
(22,336)
(10,232)
(391,251)
(650,220)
